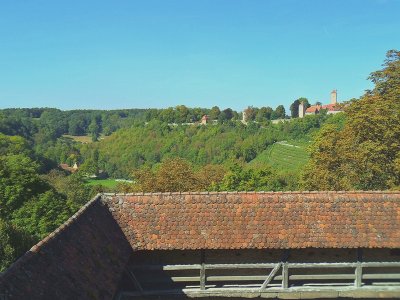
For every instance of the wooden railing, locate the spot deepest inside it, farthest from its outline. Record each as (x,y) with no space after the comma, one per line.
(281,275)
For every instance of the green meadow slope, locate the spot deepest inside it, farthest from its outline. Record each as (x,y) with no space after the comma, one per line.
(284,156)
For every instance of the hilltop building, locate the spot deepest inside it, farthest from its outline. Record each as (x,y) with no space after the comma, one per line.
(244,117)
(288,245)
(301,109)
(332,108)
(72,169)
(205,120)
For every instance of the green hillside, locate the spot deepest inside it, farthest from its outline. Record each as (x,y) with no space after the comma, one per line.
(108,183)
(285,156)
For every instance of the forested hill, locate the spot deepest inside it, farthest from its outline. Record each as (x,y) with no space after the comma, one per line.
(50,123)
(145,136)
(149,144)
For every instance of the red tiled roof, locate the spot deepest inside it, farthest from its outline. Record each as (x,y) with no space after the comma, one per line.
(85,257)
(258,220)
(82,259)
(313,108)
(66,167)
(331,107)
(327,106)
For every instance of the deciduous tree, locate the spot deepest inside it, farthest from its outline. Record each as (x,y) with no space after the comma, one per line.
(294,107)
(364,153)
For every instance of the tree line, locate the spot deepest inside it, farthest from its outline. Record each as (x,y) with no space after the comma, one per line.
(32,202)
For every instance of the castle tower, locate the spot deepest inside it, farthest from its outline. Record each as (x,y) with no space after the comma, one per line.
(334,97)
(301,109)
(244,117)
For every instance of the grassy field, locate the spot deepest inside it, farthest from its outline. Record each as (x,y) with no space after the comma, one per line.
(84,139)
(285,156)
(109,183)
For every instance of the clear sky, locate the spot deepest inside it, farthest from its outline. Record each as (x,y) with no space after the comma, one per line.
(230,53)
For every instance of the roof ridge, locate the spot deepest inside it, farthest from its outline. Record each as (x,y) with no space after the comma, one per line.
(249,192)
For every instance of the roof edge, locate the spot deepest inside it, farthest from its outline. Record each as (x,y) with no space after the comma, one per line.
(249,192)
(36,248)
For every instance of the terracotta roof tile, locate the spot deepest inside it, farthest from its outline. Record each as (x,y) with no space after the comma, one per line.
(90,242)
(313,108)
(258,220)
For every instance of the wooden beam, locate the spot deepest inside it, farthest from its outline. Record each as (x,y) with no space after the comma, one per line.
(358,276)
(321,265)
(264,266)
(381,276)
(322,277)
(285,276)
(380,264)
(235,278)
(280,277)
(262,278)
(167,279)
(316,293)
(270,276)
(239,266)
(202,272)
(185,279)
(135,281)
(167,267)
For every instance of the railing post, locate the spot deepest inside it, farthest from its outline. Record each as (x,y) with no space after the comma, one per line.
(358,275)
(285,275)
(358,271)
(202,272)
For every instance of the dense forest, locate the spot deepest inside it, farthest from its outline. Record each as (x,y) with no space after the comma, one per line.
(151,143)
(170,150)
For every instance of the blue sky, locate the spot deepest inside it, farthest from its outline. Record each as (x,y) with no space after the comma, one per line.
(230,53)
